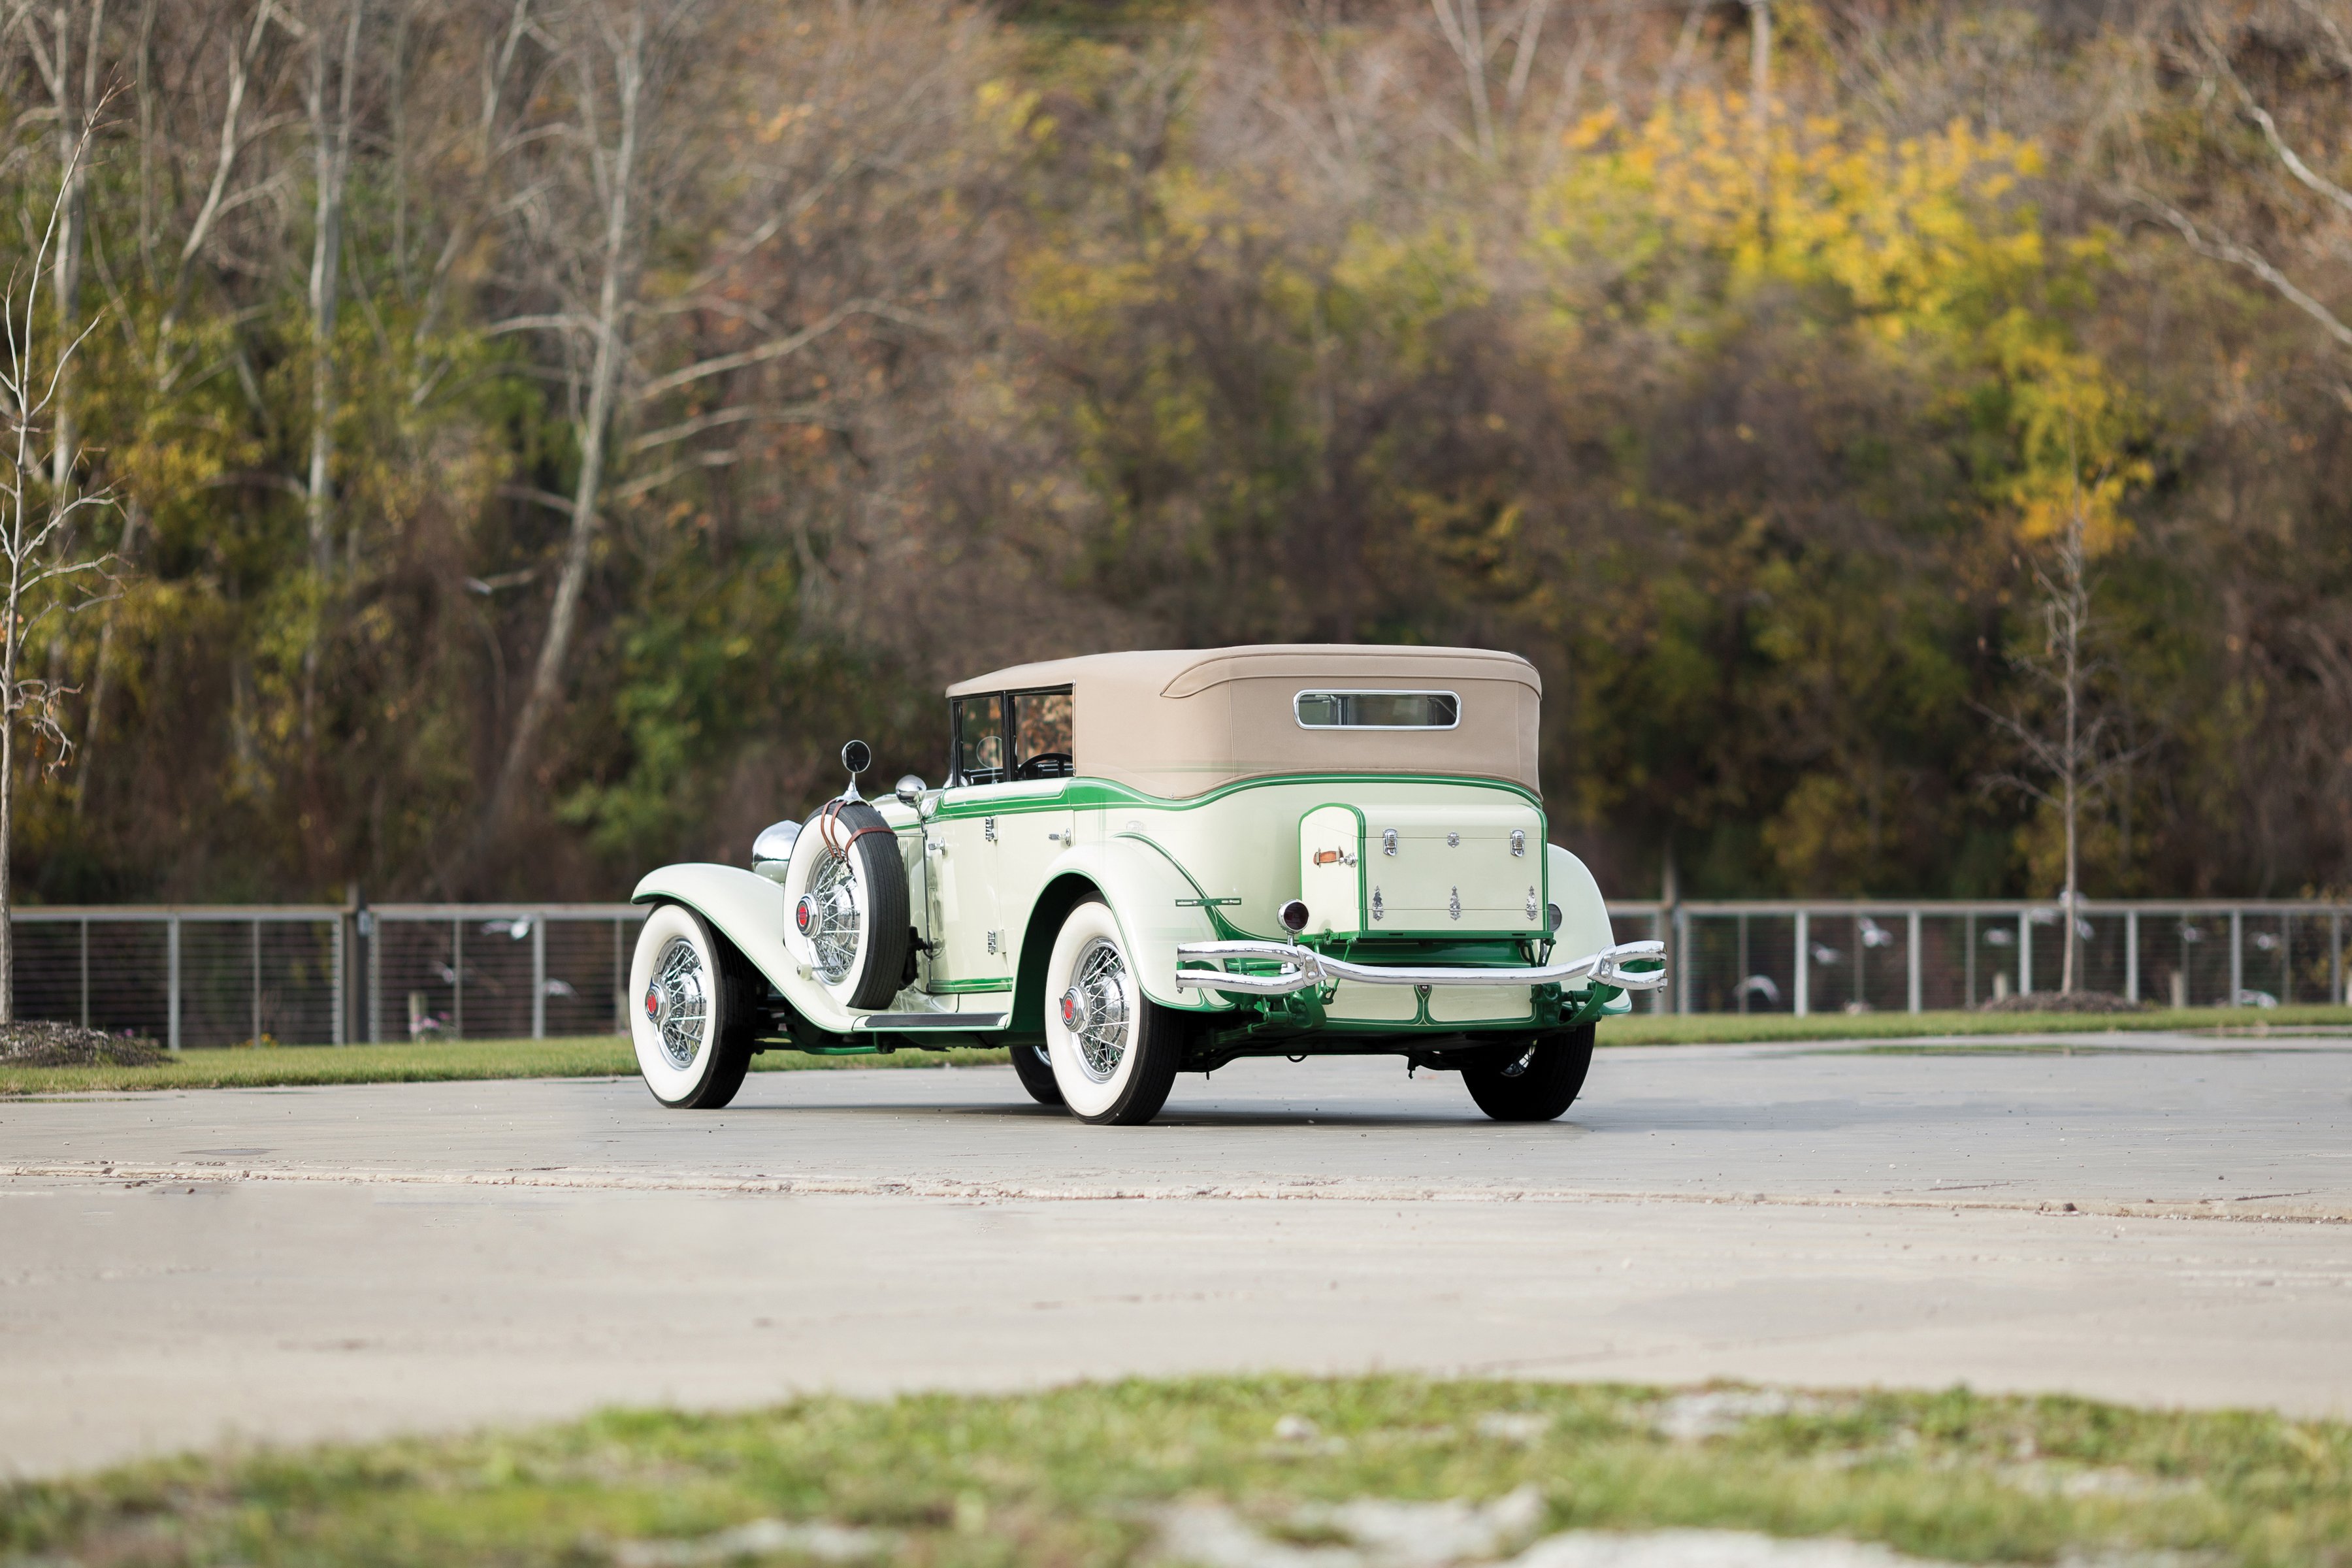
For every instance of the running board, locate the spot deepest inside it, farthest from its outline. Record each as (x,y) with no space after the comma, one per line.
(908,1023)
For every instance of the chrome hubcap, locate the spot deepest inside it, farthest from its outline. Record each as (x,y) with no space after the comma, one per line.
(678,1003)
(827,916)
(1094,1009)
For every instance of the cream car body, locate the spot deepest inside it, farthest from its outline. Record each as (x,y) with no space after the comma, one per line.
(1297,849)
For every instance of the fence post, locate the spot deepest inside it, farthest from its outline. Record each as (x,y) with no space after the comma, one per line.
(1678,932)
(341,969)
(1914,988)
(2131,955)
(2025,954)
(2335,957)
(1804,966)
(457,977)
(257,982)
(620,986)
(373,980)
(85,972)
(171,978)
(2237,955)
(1968,957)
(538,975)
(1742,968)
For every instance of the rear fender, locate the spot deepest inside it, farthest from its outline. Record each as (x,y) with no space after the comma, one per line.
(748,910)
(1155,903)
(1583,913)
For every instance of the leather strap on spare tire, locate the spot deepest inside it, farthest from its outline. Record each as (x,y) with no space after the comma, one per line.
(856,831)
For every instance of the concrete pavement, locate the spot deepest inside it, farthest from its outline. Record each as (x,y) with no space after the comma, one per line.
(282,1264)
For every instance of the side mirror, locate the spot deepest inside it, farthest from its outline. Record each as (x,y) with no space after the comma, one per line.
(775,842)
(910,789)
(857,756)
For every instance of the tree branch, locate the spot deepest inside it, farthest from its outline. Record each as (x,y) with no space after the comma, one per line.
(2229,251)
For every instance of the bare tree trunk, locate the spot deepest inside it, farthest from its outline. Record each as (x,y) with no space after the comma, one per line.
(547,675)
(103,673)
(73,101)
(1466,33)
(36,533)
(9,781)
(2069,613)
(330,141)
(330,147)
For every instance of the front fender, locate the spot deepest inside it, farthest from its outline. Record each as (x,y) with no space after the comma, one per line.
(1156,904)
(749,910)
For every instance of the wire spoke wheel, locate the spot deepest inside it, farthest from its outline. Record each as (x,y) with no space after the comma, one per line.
(680,1002)
(1095,1009)
(834,921)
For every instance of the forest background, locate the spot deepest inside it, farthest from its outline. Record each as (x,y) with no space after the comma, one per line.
(535,432)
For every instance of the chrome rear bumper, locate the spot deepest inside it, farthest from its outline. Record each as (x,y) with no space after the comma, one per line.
(1303,967)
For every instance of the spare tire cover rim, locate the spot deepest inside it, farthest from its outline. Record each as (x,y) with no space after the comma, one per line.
(835,906)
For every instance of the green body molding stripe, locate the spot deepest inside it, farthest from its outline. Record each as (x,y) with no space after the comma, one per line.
(1087,794)
(968,987)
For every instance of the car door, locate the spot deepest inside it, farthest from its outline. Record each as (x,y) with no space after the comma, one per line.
(970,949)
(1034,828)
(971,952)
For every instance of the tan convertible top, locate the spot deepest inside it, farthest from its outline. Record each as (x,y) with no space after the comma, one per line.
(1180,723)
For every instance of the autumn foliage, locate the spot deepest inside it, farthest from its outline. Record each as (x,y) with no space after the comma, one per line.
(940,339)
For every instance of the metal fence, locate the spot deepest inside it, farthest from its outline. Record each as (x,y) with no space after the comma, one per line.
(310,974)
(1882,957)
(321,975)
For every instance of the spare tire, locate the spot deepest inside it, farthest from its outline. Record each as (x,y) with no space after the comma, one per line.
(846,904)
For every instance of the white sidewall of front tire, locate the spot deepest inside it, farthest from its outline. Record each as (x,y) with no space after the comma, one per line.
(1080,1093)
(667,923)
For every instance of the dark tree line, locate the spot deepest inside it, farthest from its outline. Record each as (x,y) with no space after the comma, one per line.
(537,432)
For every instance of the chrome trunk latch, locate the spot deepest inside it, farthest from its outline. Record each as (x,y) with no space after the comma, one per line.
(1519,842)
(1388,840)
(1454,904)
(1533,912)
(988,828)
(1378,913)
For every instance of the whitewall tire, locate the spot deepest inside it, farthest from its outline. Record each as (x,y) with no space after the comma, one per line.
(692,1011)
(1115,1051)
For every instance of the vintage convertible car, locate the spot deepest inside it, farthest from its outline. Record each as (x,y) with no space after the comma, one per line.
(1143,864)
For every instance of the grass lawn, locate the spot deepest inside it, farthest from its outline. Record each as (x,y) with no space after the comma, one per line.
(1093,1473)
(275,1066)
(603,1054)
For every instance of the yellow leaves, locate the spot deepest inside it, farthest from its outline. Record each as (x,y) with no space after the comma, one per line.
(1587,132)
(1009,111)
(1909,232)
(2050,504)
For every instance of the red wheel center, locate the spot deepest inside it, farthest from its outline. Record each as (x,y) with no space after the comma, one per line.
(1070,1009)
(652,1002)
(805,913)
